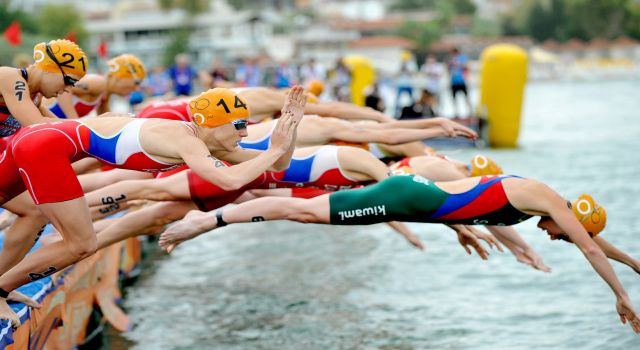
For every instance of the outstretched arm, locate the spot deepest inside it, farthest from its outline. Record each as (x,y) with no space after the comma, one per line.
(405,232)
(616,254)
(519,247)
(344,110)
(450,127)
(362,134)
(196,155)
(565,219)
(467,238)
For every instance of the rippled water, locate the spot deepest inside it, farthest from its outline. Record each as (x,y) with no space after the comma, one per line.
(283,285)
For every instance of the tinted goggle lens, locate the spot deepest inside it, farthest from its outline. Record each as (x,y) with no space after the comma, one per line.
(240,124)
(69,81)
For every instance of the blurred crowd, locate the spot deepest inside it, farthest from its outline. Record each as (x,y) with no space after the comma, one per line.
(415,91)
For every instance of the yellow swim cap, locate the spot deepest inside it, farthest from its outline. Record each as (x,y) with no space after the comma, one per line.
(69,57)
(216,107)
(127,66)
(402,167)
(592,216)
(311,98)
(401,170)
(429,151)
(481,166)
(315,87)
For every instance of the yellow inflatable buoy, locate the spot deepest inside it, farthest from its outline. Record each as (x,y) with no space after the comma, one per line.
(362,76)
(504,76)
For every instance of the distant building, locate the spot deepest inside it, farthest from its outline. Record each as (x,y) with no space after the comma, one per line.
(492,9)
(141,28)
(323,42)
(384,52)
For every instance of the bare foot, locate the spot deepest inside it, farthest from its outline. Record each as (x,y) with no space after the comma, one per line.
(194,224)
(7,314)
(21,298)
(6,219)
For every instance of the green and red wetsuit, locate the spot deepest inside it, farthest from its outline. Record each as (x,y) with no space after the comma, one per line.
(412,198)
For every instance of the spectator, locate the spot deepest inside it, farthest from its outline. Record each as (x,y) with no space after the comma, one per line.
(403,86)
(182,75)
(285,75)
(158,82)
(423,108)
(312,71)
(373,98)
(433,72)
(248,73)
(216,76)
(218,72)
(458,70)
(340,80)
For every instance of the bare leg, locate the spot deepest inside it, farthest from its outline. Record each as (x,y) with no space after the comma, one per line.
(616,254)
(86,165)
(314,210)
(437,169)
(72,220)
(101,212)
(361,165)
(21,236)
(142,221)
(6,219)
(470,108)
(258,193)
(93,181)
(174,187)
(411,149)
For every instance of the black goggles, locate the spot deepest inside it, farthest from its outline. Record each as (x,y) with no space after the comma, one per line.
(240,124)
(68,81)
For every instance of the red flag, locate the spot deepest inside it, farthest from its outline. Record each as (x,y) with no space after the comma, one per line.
(13,34)
(71,36)
(102,49)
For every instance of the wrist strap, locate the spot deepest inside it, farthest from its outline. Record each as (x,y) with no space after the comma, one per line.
(4,294)
(220,220)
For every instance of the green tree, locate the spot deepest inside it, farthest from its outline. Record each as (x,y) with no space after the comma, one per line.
(179,44)
(540,22)
(517,21)
(7,16)
(558,19)
(464,7)
(589,19)
(422,35)
(192,7)
(509,26)
(632,24)
(412,5)
(446,11)
(485,27)
(8,53)
(56,21)
(582,19)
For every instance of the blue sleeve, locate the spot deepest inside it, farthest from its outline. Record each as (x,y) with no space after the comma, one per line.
(171,72)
